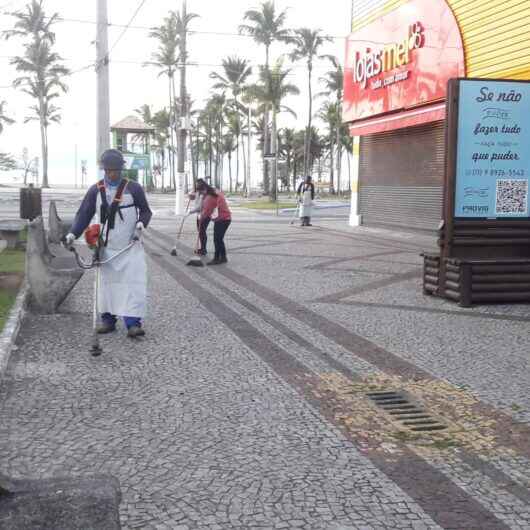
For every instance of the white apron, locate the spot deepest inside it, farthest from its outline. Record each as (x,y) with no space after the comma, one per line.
(123,281)
(306,206)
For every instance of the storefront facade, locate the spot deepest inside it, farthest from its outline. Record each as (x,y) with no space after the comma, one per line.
(399,58)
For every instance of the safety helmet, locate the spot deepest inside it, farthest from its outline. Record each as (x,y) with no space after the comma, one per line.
(112,159)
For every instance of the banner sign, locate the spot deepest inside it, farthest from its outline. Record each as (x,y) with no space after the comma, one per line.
(493,149)
(401,60)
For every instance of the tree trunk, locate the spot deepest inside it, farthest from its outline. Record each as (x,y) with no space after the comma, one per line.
(45,183)
(274,147)
(266,182)
(245,177)
(309,121)
(331,168)
(237,163)
(43,145)
(218,183)
(339,165)
(230,171)
(170,158)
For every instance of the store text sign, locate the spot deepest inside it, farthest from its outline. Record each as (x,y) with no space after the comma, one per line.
(402,60)
(493,149)
(370,64)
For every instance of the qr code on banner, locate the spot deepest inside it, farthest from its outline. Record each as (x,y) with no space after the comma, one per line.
(512,196)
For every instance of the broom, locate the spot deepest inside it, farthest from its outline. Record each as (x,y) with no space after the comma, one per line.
(195,262)
(174,249)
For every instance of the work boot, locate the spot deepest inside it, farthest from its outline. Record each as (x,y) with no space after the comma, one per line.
(104,328)
(135,331)
(223,259)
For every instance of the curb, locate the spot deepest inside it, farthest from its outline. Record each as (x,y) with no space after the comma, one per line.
(12,326)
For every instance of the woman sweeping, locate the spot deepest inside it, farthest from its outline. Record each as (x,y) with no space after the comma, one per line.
(215,200)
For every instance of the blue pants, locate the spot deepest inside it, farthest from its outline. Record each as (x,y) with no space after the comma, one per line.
(110,320)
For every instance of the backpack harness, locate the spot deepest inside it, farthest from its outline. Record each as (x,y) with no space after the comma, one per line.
(108,214)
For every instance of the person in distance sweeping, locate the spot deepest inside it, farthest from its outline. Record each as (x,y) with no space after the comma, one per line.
(306,196)
(123,212)
(215,200)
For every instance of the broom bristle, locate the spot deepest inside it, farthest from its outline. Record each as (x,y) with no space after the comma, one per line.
(195,263)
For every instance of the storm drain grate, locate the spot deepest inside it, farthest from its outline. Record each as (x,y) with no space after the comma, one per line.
(402,409)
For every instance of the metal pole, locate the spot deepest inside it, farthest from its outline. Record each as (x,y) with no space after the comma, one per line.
(248,183)
(179,198)
(102,70)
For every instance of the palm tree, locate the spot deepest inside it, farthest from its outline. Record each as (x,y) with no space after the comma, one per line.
(286,148)
(165,58)
(228,147)
(271,90)
(41,69)
(236,71)
(328,114)
(214,119)
(307,43)
(265,26)
(333,82)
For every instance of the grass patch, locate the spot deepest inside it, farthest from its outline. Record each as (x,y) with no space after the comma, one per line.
(267,205)
(7,299)
(12,261)
(12,265)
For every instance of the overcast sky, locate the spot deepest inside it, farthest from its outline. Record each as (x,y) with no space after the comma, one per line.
(132,84)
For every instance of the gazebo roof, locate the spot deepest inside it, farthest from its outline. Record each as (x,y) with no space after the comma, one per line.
(132,124)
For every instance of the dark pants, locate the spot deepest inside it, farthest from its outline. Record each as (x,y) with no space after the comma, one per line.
(219,231)
(203,238)
(306,221)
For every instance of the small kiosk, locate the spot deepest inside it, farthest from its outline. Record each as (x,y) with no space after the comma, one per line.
(132,137)
(484,237)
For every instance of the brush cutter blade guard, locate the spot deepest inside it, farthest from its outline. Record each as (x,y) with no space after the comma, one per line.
(92,234)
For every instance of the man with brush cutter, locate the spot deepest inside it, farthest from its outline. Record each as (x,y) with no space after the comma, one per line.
(123,213)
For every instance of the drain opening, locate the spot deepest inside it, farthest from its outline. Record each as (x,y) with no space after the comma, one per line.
(398,405)
(430,428)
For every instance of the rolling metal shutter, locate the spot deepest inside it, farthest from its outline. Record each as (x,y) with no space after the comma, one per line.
(401,177)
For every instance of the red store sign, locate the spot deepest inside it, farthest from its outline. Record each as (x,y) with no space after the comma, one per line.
(401,62)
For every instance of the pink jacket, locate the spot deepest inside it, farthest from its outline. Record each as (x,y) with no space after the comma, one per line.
(210,203)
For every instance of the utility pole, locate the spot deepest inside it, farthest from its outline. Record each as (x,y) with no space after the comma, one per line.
(102,70)
(248,182)
(183,131)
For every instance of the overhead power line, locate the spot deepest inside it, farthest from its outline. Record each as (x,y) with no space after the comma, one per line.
(189,32)
(140,5)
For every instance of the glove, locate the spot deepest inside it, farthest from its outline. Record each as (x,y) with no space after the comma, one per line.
(69,239)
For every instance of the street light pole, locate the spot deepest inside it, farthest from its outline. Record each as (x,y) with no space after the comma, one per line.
(247,184)
(102,70)
(181,147)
